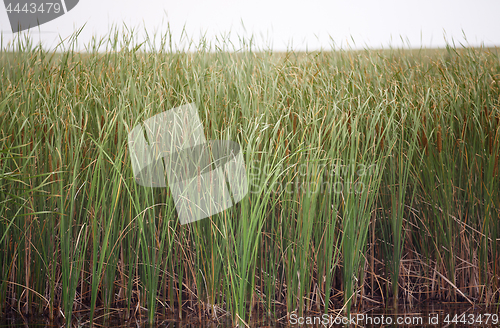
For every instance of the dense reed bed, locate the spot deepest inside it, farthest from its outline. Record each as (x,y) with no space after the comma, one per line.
(373,180)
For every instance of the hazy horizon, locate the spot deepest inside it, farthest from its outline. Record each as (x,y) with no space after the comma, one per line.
(279,25)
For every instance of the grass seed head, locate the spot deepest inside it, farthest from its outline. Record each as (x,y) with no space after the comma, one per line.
(495,170)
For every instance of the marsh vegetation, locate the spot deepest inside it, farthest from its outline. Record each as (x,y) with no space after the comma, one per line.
(373,180)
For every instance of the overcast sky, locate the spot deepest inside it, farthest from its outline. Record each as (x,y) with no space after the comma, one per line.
(282,25)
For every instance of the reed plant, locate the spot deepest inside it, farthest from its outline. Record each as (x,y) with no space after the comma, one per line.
(373,179)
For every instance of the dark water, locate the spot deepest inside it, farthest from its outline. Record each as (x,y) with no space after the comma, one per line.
(427,315)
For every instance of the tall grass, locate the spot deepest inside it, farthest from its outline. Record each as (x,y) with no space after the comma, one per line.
(373,178)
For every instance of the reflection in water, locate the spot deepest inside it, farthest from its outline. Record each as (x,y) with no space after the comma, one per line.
(427,315)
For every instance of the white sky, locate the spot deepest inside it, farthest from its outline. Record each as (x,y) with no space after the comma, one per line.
(279,25)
